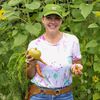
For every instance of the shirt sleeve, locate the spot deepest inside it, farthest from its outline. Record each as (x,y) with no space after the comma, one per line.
(76,54)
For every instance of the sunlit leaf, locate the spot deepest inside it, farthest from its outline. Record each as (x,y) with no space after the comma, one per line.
(14,2)
(49,1)
(37,29)
(29,28)
(11,15)
(96,66)
(34,29)
(96,58)
(19,40)
(96,96)
(33,5)
(98,86)
(74,6)
(77,17)
(78,1)
(14,32)
(3,48)
(93,25)
(86,9)
(91,43)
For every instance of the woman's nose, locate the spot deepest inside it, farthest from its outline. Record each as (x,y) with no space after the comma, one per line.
(53,19)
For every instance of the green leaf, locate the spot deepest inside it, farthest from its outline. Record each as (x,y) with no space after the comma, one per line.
(86,9)
(74,6)
(48,1)
(33,29)
(77,15)
(37,29)
(93,25)
(96,96)
(92,43)
(32,6)
(3,78)
(2,50)
(3,47)
(78,20)
(96,58)
(92,50)
(77,1)
(96,66)
(65,13)
(98,86)
(14,2)
(29,28)
(11,15)
(19,40)
(14,32)
(37,17)
(75,27)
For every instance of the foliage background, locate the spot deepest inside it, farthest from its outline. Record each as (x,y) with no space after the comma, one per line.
(21,22)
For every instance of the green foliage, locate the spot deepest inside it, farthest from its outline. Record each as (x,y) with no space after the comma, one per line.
(33,5)
(85,9)
(23,24)
(14,2)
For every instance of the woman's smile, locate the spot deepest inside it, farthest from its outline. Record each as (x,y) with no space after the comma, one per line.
(52,26)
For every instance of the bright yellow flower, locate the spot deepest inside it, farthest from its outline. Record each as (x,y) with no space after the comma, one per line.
(95,79)
(2,17)
(2,11)
(97,13)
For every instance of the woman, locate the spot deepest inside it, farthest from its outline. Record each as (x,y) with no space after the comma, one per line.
(61,52)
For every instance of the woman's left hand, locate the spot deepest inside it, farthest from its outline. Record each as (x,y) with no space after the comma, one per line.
(77,69)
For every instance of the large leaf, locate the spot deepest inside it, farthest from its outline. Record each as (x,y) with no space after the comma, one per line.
(12,15)
(93,25)
(86,9)
(3,78)
(96,66)
(96,96)
(78,1)
(3,47)
(37,29)
(96,58)
(91,43)
(29,28)
(74,6)
(14,2)
(75,27)
(33,5)
(77,15)
(19,40)
(33,29)
(98,86)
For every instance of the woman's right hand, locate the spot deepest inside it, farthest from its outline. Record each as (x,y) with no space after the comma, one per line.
(30,60)
(31,63)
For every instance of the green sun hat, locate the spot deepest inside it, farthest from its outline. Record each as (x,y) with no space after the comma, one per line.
(52,9)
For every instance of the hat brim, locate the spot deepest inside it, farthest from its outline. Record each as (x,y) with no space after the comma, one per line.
(53,12)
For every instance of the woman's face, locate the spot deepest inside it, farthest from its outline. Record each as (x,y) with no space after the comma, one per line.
(52,23)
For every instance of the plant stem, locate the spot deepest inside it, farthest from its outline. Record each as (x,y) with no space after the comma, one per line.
(28,17)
